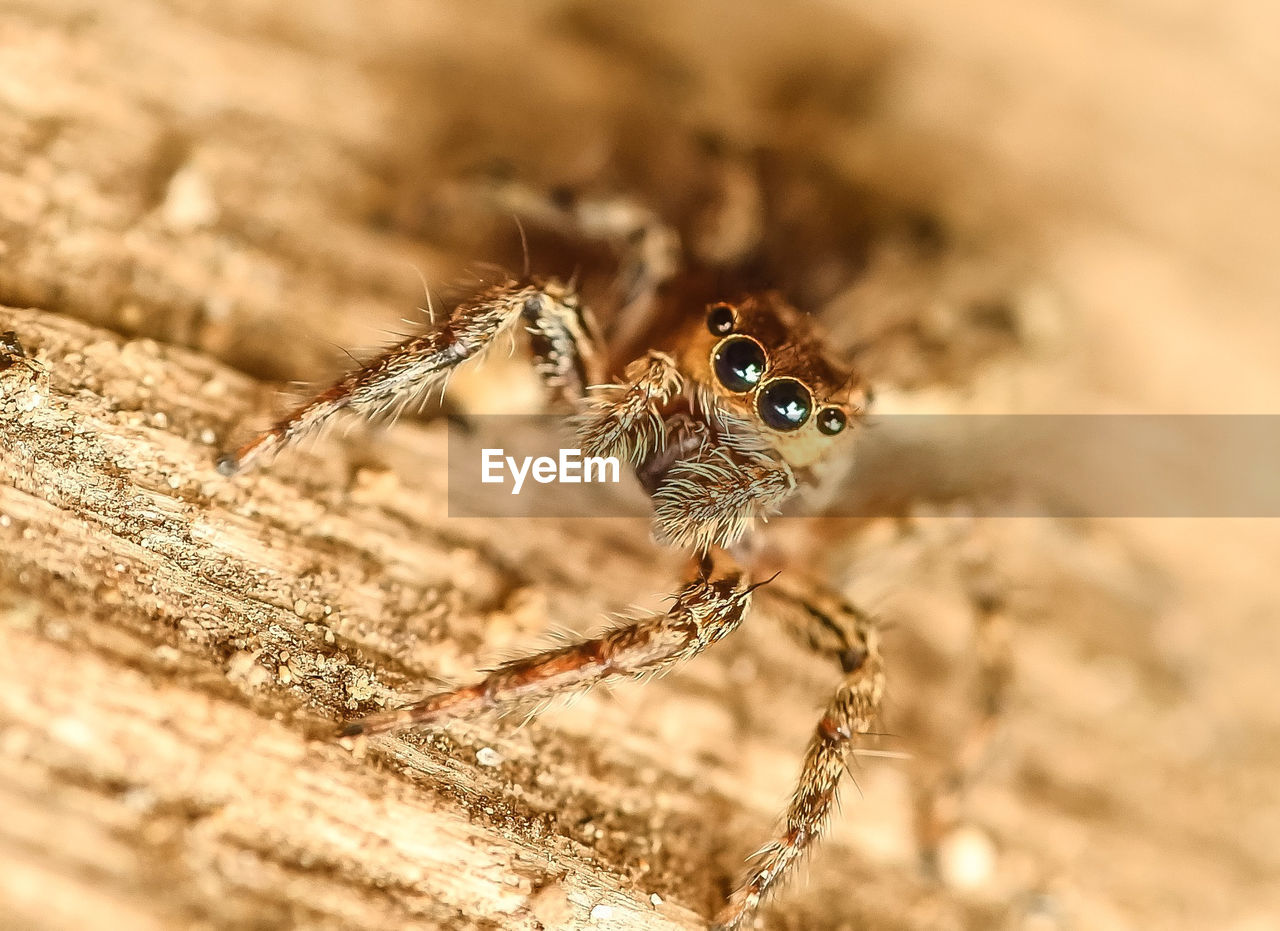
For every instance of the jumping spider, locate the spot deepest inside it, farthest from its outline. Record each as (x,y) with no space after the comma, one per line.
(726,413)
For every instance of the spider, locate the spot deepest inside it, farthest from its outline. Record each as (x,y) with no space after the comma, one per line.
(729,409)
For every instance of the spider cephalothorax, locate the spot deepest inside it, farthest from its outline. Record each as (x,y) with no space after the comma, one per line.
(729,420)
(763,363)
(724,415)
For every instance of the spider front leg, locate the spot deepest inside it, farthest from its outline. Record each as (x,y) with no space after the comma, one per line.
(706,610)
(626,420)
(851,636)
(563,347)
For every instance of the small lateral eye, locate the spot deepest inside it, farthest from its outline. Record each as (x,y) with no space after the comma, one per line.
(739,363)
(784,404)
(831,420)
(720,319)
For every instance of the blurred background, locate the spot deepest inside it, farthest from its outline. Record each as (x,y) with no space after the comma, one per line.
(1060,207)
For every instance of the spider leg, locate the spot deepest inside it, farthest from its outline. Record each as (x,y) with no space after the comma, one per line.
(704,611)
(853,638)
(563,349)
(817,618)
(626,420)
(565,345)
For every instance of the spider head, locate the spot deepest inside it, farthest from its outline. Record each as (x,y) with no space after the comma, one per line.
(765,364)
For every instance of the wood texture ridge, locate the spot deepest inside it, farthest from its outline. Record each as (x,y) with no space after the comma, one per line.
(1008,207)
(180,634)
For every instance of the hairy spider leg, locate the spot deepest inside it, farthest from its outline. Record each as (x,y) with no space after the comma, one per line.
(851,714)
(626,420)
(706,610)
(564,353)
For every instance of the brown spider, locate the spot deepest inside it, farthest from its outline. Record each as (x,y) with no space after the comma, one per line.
(728,411)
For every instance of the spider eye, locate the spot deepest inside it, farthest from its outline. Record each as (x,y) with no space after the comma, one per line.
(831,420)
(784,404)
(720,319)
(739,363)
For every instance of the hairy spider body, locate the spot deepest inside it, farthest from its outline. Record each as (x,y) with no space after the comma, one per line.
(727,415)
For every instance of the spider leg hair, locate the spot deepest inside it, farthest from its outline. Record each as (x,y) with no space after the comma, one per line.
(851,714)
(704,611)
(412,367)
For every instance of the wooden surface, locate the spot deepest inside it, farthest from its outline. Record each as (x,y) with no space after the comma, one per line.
(1070,207)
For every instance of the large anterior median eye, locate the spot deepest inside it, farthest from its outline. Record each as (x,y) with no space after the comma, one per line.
(739,362)
(784,404)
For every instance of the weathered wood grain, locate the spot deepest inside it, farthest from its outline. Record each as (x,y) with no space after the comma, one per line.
(1068,205)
